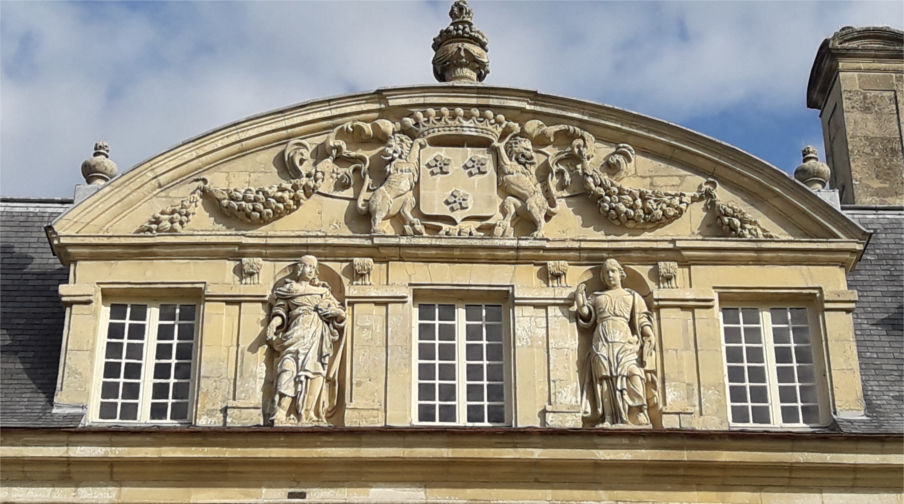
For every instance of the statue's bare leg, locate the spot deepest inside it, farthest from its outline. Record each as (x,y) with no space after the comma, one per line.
(309,413)
(282,410)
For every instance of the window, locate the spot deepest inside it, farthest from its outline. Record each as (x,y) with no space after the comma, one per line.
(147,365)
(773,377)
(461,364)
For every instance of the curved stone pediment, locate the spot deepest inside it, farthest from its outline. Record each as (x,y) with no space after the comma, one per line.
(457,161)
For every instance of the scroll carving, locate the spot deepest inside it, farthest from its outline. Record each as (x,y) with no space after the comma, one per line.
(305,330)
(457,172)
(619,383)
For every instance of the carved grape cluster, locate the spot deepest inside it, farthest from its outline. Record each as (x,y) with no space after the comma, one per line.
(631,207)
(262,205)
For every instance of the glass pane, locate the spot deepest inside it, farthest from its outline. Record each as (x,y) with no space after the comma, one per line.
(496,413)
(803,355)
(752,336)
(168,312)
(801,335)
(790,414)
(783,355)
(495,392)
(187,312)
(180,390)
(426,332)
(474,332)
(736,374)
(493,313)
(426,312)
(128,411)
(446,312)
(116,331)
(164,351)
(758,395)
(780,335)
(183,351)
(426,351)
(130,390)
(810,414)
(734,355)
(447,352)
(109,390)
(112,370)
(447,413)
(494,372)
(132,371)
(738,394)
(183,371)
(165,332)
(750,316)
(446,391)
(731,316)
(475,372)
(757,374)
(117,312)
(135,351)
(473,313)
(186,332)
(787,395)
(108,410)
(426,371)
(114,351)
(808,394)
(739,414)
(494,332)
(447,332)
(426,392)
(138,312)
(475,413)
(158,410)
(179,411)
(799,316)
(446,371)
(161,371)
(732,334)
(785,374)
(760,414)
(494,353)
(136,331)
(475,392)
(426,413)
(779,316)
(474,352)
(805,374)
(755,355)
(161,391)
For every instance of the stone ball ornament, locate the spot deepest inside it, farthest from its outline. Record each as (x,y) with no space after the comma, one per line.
(99,169)
(811,172)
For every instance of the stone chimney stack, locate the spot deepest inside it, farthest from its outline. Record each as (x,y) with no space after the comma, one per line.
(857,83)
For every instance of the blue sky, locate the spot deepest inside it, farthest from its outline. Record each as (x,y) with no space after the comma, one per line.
(146,76)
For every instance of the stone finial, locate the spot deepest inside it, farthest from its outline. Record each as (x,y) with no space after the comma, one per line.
(99,169)
(811,172)
(460,48)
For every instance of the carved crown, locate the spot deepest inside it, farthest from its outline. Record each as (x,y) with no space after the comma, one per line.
(430,123)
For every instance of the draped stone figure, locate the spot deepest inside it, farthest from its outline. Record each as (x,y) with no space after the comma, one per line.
(305,328)
(616,384)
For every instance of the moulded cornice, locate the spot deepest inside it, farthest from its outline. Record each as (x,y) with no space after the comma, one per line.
(652,137)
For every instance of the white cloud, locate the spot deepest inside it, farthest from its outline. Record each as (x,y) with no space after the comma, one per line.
(145,76)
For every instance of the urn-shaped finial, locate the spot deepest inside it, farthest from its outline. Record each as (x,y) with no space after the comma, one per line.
(460,48)
(812,172)
(99,168)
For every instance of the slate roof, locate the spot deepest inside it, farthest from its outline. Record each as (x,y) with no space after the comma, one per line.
(879,319)
(31,316)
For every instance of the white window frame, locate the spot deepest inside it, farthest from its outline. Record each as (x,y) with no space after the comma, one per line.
(460,363)
(772,382)
(148,361)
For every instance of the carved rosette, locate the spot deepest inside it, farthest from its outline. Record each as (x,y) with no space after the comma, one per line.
(503,171)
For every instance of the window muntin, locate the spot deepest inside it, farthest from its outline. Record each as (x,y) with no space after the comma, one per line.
(772,377)
(147,363)
(461,364)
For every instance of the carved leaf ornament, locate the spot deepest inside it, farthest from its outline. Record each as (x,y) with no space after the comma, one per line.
(515,152)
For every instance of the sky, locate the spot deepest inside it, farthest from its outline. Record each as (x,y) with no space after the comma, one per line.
(145,76)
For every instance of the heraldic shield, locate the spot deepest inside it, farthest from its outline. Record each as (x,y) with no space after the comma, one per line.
(458,182)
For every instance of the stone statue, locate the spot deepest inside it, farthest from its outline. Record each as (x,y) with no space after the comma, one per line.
(306,323)
(523,192)
(617,380)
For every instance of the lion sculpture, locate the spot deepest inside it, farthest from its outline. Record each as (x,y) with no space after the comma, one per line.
(523,193)
(396,194)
